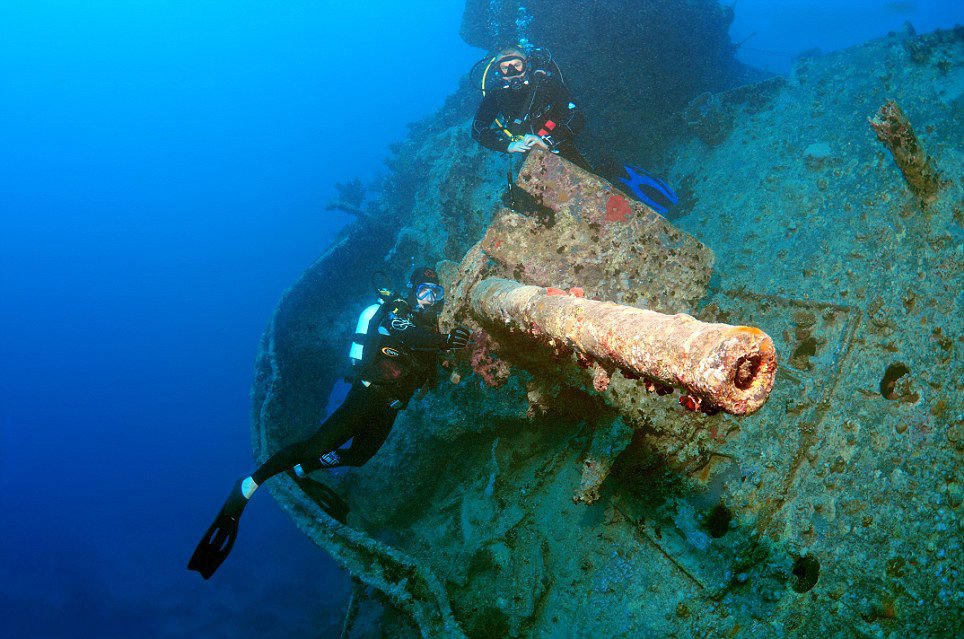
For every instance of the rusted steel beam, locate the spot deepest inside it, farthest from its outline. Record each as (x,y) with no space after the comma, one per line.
(894,130)
(729,367)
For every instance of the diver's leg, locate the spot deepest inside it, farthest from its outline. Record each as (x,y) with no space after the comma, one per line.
(370,438)
(333,432)
(371,425)
(214,547)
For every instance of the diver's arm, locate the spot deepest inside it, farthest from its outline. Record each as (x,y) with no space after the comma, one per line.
(418,339)
(568,117)
(482,131)
(412,336)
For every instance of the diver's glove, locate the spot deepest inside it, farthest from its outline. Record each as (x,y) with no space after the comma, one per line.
(519,146)
(458,338)
(526,144)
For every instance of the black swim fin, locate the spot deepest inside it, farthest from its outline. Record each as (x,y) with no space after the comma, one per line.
(217,542)
(326,498)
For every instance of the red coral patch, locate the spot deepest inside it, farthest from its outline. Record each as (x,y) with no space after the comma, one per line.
(618,209)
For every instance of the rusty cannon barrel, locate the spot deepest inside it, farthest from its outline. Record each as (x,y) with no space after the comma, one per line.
(730,367)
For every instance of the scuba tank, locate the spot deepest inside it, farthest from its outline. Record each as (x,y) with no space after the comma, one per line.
(366,344)
(357,351)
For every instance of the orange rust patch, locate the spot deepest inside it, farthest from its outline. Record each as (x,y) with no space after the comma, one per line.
(750,330)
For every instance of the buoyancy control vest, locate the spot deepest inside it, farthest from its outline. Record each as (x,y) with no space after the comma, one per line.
(374,359)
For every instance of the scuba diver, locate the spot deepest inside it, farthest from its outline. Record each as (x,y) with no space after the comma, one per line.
(530,107)
(395,352)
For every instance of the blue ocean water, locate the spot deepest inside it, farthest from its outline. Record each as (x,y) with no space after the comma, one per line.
(163,173)
(772,33)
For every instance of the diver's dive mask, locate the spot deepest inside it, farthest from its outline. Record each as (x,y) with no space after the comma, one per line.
(513,71)
(429,294)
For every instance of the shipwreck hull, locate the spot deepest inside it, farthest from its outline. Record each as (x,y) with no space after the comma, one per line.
(547,507)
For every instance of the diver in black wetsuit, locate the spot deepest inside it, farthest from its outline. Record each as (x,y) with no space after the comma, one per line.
(395,353)
(531,108)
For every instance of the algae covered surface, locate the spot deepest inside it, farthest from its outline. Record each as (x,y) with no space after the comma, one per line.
(519,501)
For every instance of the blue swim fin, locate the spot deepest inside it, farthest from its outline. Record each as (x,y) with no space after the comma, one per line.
(649,189)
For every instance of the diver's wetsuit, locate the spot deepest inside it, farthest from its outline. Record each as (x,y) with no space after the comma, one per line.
(530,109)
(378,393)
